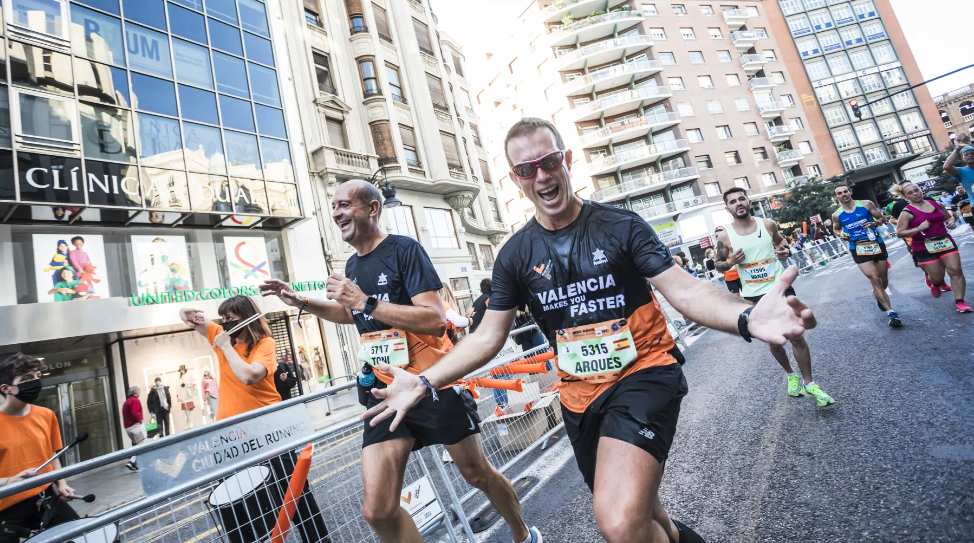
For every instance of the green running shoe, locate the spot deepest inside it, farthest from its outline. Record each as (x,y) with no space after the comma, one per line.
(820,396)
(795,387)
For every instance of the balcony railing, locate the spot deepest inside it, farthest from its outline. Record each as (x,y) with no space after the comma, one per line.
(969,117)
(780,130)
(771,106)
(564,30)
(646,180)
(761,83)
(354,160)
(368,93)
(636,153)
(359,29)
(753,59)
(648,120)
(426,51)
(441,107)
(747,36)
(414,163)
(622,97)
(668,208)
(572,87)
(327,89)
(568,55)
(789,155)
(399,98)
(798,180)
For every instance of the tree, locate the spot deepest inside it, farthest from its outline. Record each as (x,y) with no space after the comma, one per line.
(815,197)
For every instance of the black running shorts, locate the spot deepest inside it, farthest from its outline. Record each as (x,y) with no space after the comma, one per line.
(641,409)
(445,422)
(735,286)
(790,291)
(881,256)
(922,256)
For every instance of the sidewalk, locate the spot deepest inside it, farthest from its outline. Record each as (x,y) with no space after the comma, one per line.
(115,485)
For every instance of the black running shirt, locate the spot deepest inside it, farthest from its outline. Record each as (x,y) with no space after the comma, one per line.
(589,272)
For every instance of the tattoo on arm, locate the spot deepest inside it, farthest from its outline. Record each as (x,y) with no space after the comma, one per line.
(721,260)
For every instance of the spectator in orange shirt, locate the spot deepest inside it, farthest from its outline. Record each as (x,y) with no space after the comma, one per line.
(31,436)
(247,360)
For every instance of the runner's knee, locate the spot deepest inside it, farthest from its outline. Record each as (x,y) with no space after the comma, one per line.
(380,512)
(798,342)
(618,525)
(777,349)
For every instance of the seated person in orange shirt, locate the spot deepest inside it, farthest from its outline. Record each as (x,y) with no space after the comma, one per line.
(31,436)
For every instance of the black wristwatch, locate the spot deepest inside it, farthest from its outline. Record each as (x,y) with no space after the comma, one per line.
(370,304)
(742,322)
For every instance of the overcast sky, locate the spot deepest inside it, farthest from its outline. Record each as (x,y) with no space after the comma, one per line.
(478,25)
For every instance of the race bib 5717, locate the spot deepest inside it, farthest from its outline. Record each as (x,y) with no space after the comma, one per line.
(384,346)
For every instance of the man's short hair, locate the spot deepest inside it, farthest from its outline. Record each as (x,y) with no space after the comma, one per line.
(485,285)
(528,126)
(368,193)
(732,190)
(835,188)
(17,365)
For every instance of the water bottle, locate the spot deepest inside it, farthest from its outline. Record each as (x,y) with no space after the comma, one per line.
(365,381)
(871,234)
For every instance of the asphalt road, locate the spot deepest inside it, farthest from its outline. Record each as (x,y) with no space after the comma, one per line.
(891,461)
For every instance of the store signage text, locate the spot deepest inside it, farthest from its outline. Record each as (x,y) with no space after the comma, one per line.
(898,139)
(180,296)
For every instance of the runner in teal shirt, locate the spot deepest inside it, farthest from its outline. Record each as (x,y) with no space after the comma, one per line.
(964,173)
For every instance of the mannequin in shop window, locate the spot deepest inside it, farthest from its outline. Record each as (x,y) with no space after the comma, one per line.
(304,365)
(211,394)
(186,394)
(320,365)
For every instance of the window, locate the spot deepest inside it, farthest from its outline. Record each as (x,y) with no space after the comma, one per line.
(667,59)
(805,147)
(381,23)
(336,133)
(474,260)
(312,18)
(706,11)
(742,104)
(687,34)
(42,16)
(724,56)
(769,55)
(826,94)
(904,100)
(835,115)
(423,37)
(733,80)
(912,121)
(675,83)
(861,59)
(714,107)
(788,100)
(821,20)
(791,7)
(657,33)
(779,77)
(814,171)
(409,146)
(494,211)
(649,9)
(685,109)
(839,63)
(436,93)
(704,163)
(395,84)
(864,9)
(799,25)
(866,132)
(742,182)
(883,52)
(876,155)
(715,34)
(696,57)
(759,154)
(723,132)
(442,233)
(797,124)
(733,158)
(451,151)
(488,254)
(401,221)
(382,139)
(817,69)
(808,46)
(751,129)
(713,189)
(848,88)
(894,77)
(842,14)
(844,139)
(370,81)
(871,82)
(769,179)
(694,135)
(889,127)
(830,41)
(853,161)
(880,107)
(705,81)
(679,10)
(921,144)
(874,30)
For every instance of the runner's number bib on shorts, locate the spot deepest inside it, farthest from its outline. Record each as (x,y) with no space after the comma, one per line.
(596,352)
(761,271)
(938,245)
(384,346)
(866,248)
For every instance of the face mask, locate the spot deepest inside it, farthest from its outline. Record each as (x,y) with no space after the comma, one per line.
(28,391)
(228,325)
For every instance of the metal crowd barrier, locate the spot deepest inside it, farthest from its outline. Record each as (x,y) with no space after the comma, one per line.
(818,254)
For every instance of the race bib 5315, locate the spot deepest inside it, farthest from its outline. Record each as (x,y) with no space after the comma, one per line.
(384,346)
(596,352)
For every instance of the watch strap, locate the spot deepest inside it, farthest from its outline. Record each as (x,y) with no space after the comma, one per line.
(742,324)
(370,304)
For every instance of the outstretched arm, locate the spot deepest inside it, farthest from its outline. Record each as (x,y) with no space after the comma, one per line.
(960,142)
(324,309)
(195,319)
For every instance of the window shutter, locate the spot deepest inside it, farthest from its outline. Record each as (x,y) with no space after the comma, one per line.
(408,137)
(336,133)
(381,21)
(312,5)
(354,7)
(485,171)
(383,140)
(436,90)
(450,148)
(422,36)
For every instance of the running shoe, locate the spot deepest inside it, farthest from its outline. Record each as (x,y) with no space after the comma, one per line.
(134,467)
(926,278)
(894,320)
(934,290)
(944,287)
(535,536)
(964,308)
(795,387)
(820,396)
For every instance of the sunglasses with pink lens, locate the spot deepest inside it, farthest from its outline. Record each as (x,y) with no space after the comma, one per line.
(549,163)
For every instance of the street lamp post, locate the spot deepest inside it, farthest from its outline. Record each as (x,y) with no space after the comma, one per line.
(388,191)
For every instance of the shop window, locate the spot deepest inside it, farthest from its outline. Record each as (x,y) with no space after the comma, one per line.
(474,259)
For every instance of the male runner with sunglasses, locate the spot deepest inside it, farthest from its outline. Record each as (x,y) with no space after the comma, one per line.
(389,293)
(582,268)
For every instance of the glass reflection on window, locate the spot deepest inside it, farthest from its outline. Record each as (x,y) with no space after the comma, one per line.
(210,193)
(198,105)
(253,17)
(195,4)
(113,184)
(106,84)
(148,51)
(242,155)
(160,143)
(222,9)
(153,94)
(39,15)
(204,149)
(277,160)
(231,76)
(187,24)
(237,113)
(192,64)
(96,36)
(147,12)
(264,82)
(111,6)
(258,49)
(5,136)
(270,121)
(46,117)
(165,189)
(283,199)
(38,68)
(106,133)
(225,37)
(249,196)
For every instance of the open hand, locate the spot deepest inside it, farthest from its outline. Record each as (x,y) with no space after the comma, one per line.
(782,252)
(736,257)
(276,287)
(63,490)
(192,317)
(405,391)
(776,318)
(344,291)
(223,341)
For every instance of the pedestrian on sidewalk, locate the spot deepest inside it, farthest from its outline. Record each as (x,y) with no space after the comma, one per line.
(211,393)
(284,380)
(132,420)
(159,403)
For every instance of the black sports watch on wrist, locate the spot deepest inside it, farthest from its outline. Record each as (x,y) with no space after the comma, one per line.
(370,304)
(742,322)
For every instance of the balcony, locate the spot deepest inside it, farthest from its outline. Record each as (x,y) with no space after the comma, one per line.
(556,11)
(780,132)
(627,130)
(637,156)
(669,209)
(771,108)
(789,157)
(611,77)
(643,182)
(735,18)
(342,160)
(753,64)
(745,39)
(621,102)
(797,180)
(599,53)
(761,83)
(594,27)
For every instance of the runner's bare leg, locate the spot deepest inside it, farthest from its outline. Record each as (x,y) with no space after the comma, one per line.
(781,355)
(469,457)
(383,468)
(956,272)
(626,486)
(803,355)
(876,273)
